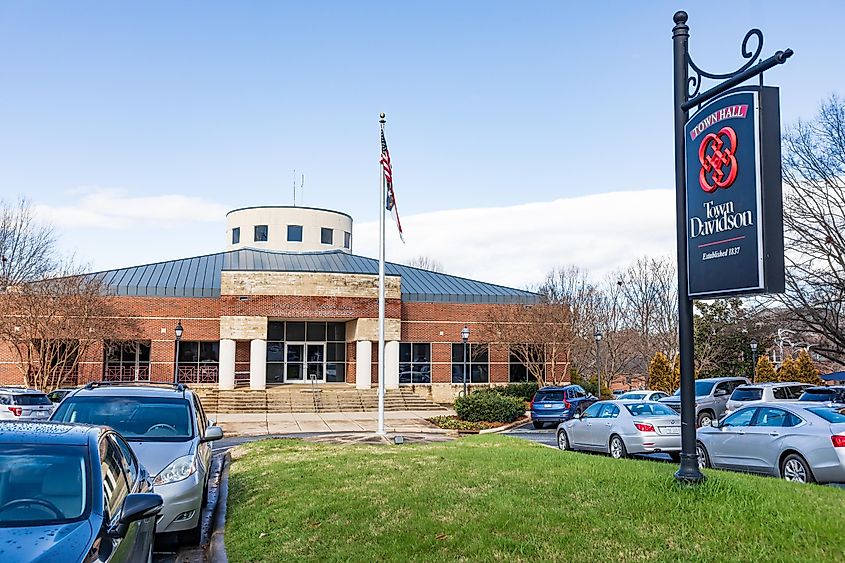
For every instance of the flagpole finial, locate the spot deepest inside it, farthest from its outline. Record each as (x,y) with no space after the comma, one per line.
(381,118)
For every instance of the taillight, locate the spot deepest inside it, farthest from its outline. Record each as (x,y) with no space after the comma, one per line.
(531,405)
(566,403)
(838,440)
(644,427)
(17,411)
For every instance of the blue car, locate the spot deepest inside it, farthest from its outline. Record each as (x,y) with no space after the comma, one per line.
(73,494)
(556,404)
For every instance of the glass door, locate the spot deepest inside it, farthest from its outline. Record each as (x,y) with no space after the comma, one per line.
(295,370)
(316,363)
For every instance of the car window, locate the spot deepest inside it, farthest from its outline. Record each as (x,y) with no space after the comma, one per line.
(835,416)
(740,418)
(115,486)
(609,411)
(794,391)
(650,409)
(724,386)
(747,394)
(578,392)
(130,464)
(31,400)
(548,396)
(780,393)
(769,416)
(658,396)
(4,400)
(203,420)
(632,396)
(593,410)
(817,394)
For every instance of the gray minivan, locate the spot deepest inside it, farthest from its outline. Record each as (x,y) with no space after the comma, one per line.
(711,397)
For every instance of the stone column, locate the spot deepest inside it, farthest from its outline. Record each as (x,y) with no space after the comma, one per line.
(363,364)
(226,371)
(258,364)
(391,365)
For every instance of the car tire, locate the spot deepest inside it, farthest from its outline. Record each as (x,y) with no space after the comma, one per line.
(796,469)
(703,457)
(537,424)
(563,440)
(704,419)
(616,447)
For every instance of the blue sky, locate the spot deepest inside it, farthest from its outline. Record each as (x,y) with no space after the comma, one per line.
(134,126)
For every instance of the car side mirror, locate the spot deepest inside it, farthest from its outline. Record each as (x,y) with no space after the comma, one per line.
(136,506)
(213,433)
(577,416)
(720,393)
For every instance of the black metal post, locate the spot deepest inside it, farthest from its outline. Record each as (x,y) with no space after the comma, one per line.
(465,368)
(176,364)
(688,472)
(754,366)
(598,370)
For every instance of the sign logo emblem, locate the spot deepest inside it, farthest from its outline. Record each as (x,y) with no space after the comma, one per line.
(717,154)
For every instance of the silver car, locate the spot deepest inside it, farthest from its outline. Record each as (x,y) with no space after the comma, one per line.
(745,395)
(621,428)
(799,443)
(167,429)
(19,403)
(643,395)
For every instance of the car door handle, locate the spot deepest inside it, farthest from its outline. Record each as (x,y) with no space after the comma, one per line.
(774,433)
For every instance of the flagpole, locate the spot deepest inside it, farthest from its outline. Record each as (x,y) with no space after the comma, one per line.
(382,207)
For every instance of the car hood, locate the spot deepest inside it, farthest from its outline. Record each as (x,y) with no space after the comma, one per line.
(58,543)
(155,456)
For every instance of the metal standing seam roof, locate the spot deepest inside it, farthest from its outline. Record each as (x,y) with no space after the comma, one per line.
(199,276)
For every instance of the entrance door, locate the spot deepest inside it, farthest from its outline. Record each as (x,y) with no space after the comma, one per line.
(316,363)
(295,370)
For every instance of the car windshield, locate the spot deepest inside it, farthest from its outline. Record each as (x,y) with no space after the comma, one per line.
(545,396)
(650,409)
(702,388)
(31,399)
(835,416)
(817,395)
(154,419)
(632,396)
(42,485)
(747,394)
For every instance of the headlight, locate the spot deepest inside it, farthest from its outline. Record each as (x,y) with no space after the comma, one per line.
(179,469)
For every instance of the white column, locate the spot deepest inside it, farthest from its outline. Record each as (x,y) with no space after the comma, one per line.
(391,364)
(363,364)
(226,371)
(258,364)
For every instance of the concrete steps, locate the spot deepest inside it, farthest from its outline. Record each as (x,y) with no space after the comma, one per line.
(289,399)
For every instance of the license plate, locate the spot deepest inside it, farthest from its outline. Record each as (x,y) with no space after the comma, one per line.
(673,430)
(548,406)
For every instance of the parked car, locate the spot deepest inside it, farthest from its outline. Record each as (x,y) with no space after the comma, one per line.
(59,394)
(799,443)
(820,394)
(643,395)
(763,392)
(621,428)
(73,493)
(19,403)
(711,395)
(556,404)
(168,431)
(617,393)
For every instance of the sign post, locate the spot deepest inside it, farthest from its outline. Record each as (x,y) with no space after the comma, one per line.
(728,203)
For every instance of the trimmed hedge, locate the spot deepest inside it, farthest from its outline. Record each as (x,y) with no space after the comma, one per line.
(524,391)
(489,406)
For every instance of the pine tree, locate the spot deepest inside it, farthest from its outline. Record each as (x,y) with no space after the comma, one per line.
(807,370)
(676,373)
(765,370)
(788,370)
(660,373)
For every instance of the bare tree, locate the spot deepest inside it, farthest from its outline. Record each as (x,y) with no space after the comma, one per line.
(426,263)
(814,220)
(27,246)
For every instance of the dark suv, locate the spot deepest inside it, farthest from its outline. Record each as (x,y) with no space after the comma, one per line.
(556,404)
(832,394)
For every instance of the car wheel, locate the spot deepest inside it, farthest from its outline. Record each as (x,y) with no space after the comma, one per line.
(617,448)
(537,424)
(562,440)
(703,458)
(795,468)
(704,419)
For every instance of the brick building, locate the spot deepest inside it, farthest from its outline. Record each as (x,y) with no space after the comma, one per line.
(288,303)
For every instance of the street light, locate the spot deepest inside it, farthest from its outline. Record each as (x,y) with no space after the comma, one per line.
(753,361)
(598,365)
(178,332)
(465,338)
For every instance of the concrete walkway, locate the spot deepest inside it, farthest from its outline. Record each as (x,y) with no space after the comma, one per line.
(290,423)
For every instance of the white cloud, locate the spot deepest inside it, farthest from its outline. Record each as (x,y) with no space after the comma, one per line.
(117,209)
(518,245)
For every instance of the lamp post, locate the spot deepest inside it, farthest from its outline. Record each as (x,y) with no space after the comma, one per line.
(753,361)
(465,338)
(598,365)
(178,332)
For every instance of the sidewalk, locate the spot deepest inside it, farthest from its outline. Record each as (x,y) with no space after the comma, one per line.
(289,423)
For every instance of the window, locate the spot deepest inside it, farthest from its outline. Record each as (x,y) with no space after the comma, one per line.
(115,486)
(326,236)
(593,410)
(126,360)
(768,416)
(650,409)
(289,357)
(780,393)
(795,391)
(347,239)
(749,394)
(610,411)
(414,363)
(130,465)
(476,368)
(518,371)
(658,396)
(260,233)
(198,361)
(577,392)
(236,235)
(740,418)
(294,233)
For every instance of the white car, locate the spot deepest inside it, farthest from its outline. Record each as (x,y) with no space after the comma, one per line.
(19,403)
(745,395)
(642,395)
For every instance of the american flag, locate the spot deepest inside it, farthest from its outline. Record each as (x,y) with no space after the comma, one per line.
(387,170)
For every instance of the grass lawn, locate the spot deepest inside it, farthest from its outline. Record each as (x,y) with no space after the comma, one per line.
(495,498)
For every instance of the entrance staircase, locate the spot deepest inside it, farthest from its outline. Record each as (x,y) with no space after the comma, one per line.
(317,399)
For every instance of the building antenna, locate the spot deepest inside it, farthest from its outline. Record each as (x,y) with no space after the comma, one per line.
(294,187)
(302,187)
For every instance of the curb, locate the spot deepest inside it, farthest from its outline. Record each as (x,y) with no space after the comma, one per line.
(216,541)
(514,424)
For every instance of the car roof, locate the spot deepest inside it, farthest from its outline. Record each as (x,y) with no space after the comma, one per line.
(558,387)
(769,384)
(21,390)
(644,391)
(717,379)
(130,390)
(15,432)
